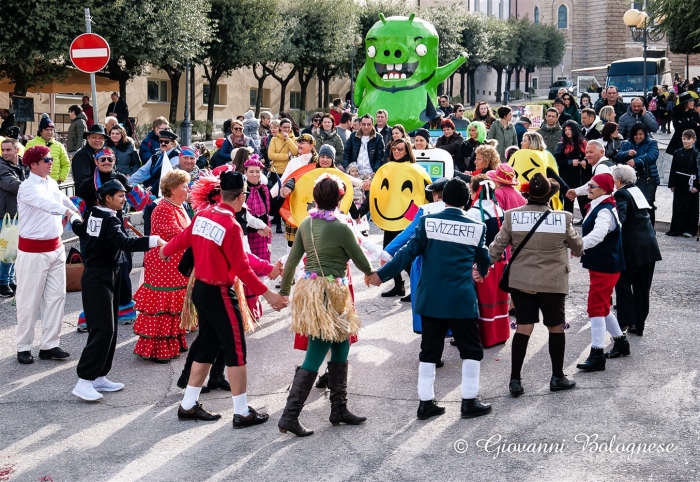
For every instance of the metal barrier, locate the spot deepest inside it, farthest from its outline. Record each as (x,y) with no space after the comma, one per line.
(68,188)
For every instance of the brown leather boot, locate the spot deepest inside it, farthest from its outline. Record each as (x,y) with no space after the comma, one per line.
(301,387)
(338,384)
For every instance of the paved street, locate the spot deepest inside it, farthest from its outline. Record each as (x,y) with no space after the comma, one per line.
(648,398)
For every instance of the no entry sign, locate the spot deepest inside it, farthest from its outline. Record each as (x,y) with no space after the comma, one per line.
(89,52)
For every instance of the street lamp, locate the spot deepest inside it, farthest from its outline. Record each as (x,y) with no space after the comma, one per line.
(357,42)
(186,126)
(638,22)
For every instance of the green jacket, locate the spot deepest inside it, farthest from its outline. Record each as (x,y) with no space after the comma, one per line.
(331,138)
(61,163)
(506,137)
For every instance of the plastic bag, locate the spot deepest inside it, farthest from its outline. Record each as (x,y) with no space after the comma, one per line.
(9,238)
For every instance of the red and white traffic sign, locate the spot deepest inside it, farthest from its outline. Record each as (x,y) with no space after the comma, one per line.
(89,52)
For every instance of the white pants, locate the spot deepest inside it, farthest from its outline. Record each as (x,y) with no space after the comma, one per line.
(41,285)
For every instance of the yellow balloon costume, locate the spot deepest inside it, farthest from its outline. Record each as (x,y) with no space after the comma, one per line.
(397,190)
(527,162)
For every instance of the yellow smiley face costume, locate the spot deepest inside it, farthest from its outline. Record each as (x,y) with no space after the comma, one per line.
(397,189)
(296,206)
(527,162)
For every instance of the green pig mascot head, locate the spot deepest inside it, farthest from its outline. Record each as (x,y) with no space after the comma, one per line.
(401,73)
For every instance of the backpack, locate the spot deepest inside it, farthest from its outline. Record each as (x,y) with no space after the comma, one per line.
(652,105)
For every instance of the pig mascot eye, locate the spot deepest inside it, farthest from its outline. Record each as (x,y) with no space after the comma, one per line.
(371,52)
(421,50)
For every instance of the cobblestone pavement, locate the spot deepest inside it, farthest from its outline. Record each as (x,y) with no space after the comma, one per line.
(648,398)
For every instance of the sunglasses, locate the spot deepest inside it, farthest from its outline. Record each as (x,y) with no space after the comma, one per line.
(460,110)
(237,129)
(105,159)
(165,143)
(315,120)
(592,186)
(398,148)
(47,160)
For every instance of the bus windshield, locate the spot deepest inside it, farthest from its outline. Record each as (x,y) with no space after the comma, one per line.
(632,83)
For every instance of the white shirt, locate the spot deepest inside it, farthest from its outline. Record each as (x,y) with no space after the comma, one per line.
(363,164)
(604,224)
(598,168)
(41,206)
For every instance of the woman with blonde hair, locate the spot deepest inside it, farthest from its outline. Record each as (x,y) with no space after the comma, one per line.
(486,159)
(607,114)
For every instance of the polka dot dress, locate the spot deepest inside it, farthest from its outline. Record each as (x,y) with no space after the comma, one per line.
(159,300)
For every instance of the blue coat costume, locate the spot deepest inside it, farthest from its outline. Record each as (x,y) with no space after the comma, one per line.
(403,238)
(450,244)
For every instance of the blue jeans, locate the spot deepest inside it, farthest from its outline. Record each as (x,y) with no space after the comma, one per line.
(7,273)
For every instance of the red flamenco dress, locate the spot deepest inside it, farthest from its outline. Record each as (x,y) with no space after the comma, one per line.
(160,298)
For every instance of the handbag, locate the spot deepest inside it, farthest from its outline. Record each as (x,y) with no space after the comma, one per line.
(504,284)
(74,271)
(9,238)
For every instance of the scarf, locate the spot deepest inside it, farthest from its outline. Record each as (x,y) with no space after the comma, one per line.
(241,142)
(257,199)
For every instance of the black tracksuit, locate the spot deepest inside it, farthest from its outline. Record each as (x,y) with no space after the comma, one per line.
(105,241)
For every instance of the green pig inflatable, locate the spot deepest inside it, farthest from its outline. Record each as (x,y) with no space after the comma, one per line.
(401,73)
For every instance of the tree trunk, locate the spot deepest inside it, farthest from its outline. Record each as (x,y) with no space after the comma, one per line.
(213,82)
(517,77)
(319,88)
(472,86)
(462,88)
(261,82)
(174,74)
(499,79)
(326,88)
(509,75)
(192,102)
(304,79)
(527,79)
(441,88)
(282,81)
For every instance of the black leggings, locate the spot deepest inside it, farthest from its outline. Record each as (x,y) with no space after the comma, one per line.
(388,238)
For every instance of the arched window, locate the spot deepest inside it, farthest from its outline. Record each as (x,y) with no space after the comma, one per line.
(537,15)
(562,17)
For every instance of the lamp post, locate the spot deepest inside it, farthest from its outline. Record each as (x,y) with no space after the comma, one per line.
(186,126)
(638,22)
(357,42)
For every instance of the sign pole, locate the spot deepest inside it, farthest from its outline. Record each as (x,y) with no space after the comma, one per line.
(96,111)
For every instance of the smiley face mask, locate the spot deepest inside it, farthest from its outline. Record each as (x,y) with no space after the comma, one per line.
(397,190)
(528,162)
(296,207)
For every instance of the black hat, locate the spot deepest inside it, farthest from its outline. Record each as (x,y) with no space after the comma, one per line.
(542,188)
(438,185)
(110,187)
(231,181)
(685,97)
(456,193)
(12,132)
(464,177)
(95,129)
(424,133)
(168,134)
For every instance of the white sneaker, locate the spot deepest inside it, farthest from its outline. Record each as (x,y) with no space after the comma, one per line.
(104,385)
(84,389)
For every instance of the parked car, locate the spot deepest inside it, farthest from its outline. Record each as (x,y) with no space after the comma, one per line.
(568,84)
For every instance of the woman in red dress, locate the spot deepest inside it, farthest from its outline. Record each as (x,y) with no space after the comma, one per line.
(160,298)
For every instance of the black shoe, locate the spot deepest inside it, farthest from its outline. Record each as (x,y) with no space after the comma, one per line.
(620,348)
(196,413)
(633,329)
(407,298)
(429,409)
(472,407)
(6,291)
(25,357)
(278,229)
(595,361)
(515,387)
(253,418)
(579,223)
(557,384)
(218,382)
(322,381)
(13,287)
(511,312)
(397,290)
(160,361)
(440,364)
(53,354)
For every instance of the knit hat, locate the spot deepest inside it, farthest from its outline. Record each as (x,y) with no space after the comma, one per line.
(45,123)
(189,151)
(424,133)
(541,188)
(35,154)
(605,181)
(327,150)
(456,193)
(249,115)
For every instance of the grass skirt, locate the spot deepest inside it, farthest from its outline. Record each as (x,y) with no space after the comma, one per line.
(323,309)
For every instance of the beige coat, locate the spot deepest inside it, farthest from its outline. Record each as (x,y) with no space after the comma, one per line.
(543,264)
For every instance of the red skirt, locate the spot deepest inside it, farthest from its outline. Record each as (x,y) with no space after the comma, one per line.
(494,322)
